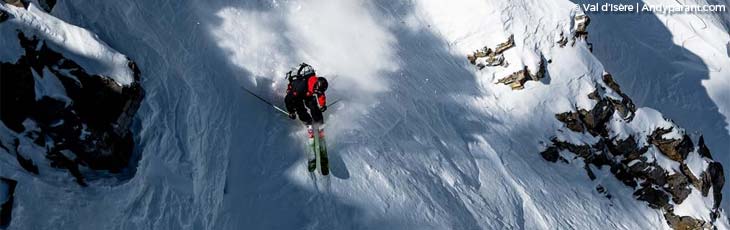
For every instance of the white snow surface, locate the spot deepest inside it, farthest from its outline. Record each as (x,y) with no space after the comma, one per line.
(694,206)
(421,140)
(76,43)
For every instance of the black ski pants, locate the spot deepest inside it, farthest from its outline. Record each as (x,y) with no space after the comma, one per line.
(297,104)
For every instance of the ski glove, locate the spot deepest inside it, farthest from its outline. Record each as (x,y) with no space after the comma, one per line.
(292,116)
(324,108)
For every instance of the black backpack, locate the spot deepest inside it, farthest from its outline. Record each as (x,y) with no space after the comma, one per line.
(299,80)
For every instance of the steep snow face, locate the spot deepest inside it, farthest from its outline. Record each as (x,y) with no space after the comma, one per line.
(422,139)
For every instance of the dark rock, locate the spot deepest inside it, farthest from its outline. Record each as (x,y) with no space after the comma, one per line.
(594,95)
(717,176)
(625,106)
(94,127)
(493,57)
(595,119)
(676,150)
(571,120)
(628,148)
(583,151)
(590,173)
(678,186)
(47,5)
(517,79)
(649,172)
(550,154)
(702,148)
(685,222)
(17,3)
(601,154)
(624,175)
(17,94)
(27,164)
(3,16)
(7,188)
(501,47)
(600,189)
(563,40)
(705,183)
(48,111)
(696,182)
(581,22)
(608,80)
(656,198)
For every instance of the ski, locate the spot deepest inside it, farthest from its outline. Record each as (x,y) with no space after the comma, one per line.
(319,150)
(312,162)
(322,153)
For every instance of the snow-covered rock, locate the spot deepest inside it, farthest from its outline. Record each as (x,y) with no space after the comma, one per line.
(67,98)
(660,166)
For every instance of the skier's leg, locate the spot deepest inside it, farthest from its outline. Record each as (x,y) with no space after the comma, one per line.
(314,109)
(289,103)
(298,106)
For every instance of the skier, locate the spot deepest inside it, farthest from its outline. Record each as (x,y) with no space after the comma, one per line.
(305,89)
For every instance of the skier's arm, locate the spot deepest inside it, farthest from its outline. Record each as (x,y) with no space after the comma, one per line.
(322,99)
(288,104)
(311,81)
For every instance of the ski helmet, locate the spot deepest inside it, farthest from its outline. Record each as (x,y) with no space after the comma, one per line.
(321,84)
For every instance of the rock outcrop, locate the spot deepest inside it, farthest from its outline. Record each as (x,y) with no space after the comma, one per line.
(517,79)
(655,162)
(636,164)
(581,26)
(488,57)
(491,57)
(3,16)
(88,127)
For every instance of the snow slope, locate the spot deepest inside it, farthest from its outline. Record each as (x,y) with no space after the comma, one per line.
(422,140)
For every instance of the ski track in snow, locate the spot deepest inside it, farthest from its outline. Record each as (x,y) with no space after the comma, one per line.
(421,139)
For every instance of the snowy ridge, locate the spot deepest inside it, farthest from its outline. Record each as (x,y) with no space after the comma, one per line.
(421,140)
(78,43)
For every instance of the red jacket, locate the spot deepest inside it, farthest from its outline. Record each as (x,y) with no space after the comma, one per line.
(309,90)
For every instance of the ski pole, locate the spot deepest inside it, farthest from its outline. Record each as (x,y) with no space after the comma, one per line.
(265,101)
(334,102)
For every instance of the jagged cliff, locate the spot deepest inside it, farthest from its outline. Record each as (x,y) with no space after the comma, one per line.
(61,113)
